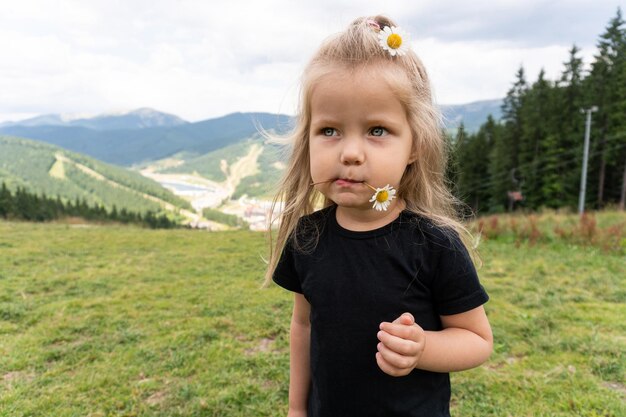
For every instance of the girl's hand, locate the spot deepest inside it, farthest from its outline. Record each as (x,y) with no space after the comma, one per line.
(297,413)
(401,345)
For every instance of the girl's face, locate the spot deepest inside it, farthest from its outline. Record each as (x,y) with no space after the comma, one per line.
(359,133)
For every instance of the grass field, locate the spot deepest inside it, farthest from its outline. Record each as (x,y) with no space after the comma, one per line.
(122,321)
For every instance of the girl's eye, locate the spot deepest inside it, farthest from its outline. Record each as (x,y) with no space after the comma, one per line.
(328,131)
(378,131)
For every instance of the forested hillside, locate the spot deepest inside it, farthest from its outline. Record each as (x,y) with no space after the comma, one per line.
(22,205)
(536,152)
(42,168)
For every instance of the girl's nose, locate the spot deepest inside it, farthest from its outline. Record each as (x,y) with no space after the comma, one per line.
(352,152)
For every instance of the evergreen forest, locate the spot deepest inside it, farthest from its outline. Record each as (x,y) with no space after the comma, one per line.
(533,157)
(23,205)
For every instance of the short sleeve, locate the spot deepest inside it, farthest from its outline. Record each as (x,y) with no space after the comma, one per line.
(286,274)
(456,288)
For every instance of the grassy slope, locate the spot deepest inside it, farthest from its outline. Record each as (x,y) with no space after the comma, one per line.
(208,165)
(26,163)
(173,323)
(260,185)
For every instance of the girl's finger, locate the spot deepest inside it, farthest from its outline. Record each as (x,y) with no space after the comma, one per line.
(402,330)
(405,318)
(399,345)
(386,367)
(395,359)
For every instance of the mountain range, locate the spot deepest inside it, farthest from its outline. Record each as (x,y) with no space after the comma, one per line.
(471,114)
(99,158)
(131,146)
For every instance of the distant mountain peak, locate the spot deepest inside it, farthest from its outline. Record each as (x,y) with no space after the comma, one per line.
(145,111)
(473,114)
(70,117)
(126,112)
(144,117)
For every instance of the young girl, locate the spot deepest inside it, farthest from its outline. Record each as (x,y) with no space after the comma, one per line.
(387,299)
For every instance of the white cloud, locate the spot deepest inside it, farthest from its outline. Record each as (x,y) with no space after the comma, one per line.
(199,59)
(462,72)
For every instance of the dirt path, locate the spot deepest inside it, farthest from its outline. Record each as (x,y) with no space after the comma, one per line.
(245,166)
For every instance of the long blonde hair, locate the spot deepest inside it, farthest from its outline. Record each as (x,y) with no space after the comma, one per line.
(423,186)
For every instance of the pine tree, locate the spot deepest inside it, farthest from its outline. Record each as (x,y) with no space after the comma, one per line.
(60,208)
(609,93)
(620,137)
(512,115)
(504,156)
(536,125)
(23,204)
(570,124)
(6,201)
(452,167)
(114,215)
(473,165)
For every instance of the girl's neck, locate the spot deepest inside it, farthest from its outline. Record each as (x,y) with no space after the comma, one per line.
(361,221)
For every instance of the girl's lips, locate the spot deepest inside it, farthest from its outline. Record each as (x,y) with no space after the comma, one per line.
(346,183)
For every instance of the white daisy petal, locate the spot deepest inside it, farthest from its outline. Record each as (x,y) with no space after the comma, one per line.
(398,45)
(382,197)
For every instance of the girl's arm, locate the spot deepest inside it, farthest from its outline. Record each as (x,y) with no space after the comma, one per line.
(299,374)
(465,342)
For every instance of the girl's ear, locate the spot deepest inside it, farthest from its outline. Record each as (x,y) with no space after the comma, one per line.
(413,156)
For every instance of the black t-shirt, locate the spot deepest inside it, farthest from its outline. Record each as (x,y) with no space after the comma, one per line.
(356,280)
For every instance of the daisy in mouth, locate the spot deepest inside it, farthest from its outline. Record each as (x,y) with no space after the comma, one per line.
(382,196)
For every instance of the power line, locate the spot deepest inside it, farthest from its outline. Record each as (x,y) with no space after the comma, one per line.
(493,181)
(573,151)
(537,161)
(546,168)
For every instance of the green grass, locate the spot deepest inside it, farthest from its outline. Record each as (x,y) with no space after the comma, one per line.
(123,321)
(557,314)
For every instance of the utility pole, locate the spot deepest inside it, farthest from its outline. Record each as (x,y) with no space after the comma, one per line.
(583,180)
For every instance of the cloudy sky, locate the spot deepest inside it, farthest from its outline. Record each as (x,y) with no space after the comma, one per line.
(204,59)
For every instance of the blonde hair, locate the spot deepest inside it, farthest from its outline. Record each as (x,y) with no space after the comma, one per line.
(423,186)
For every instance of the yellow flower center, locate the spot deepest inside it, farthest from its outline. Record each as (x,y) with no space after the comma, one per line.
(394,41)
(382,196)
